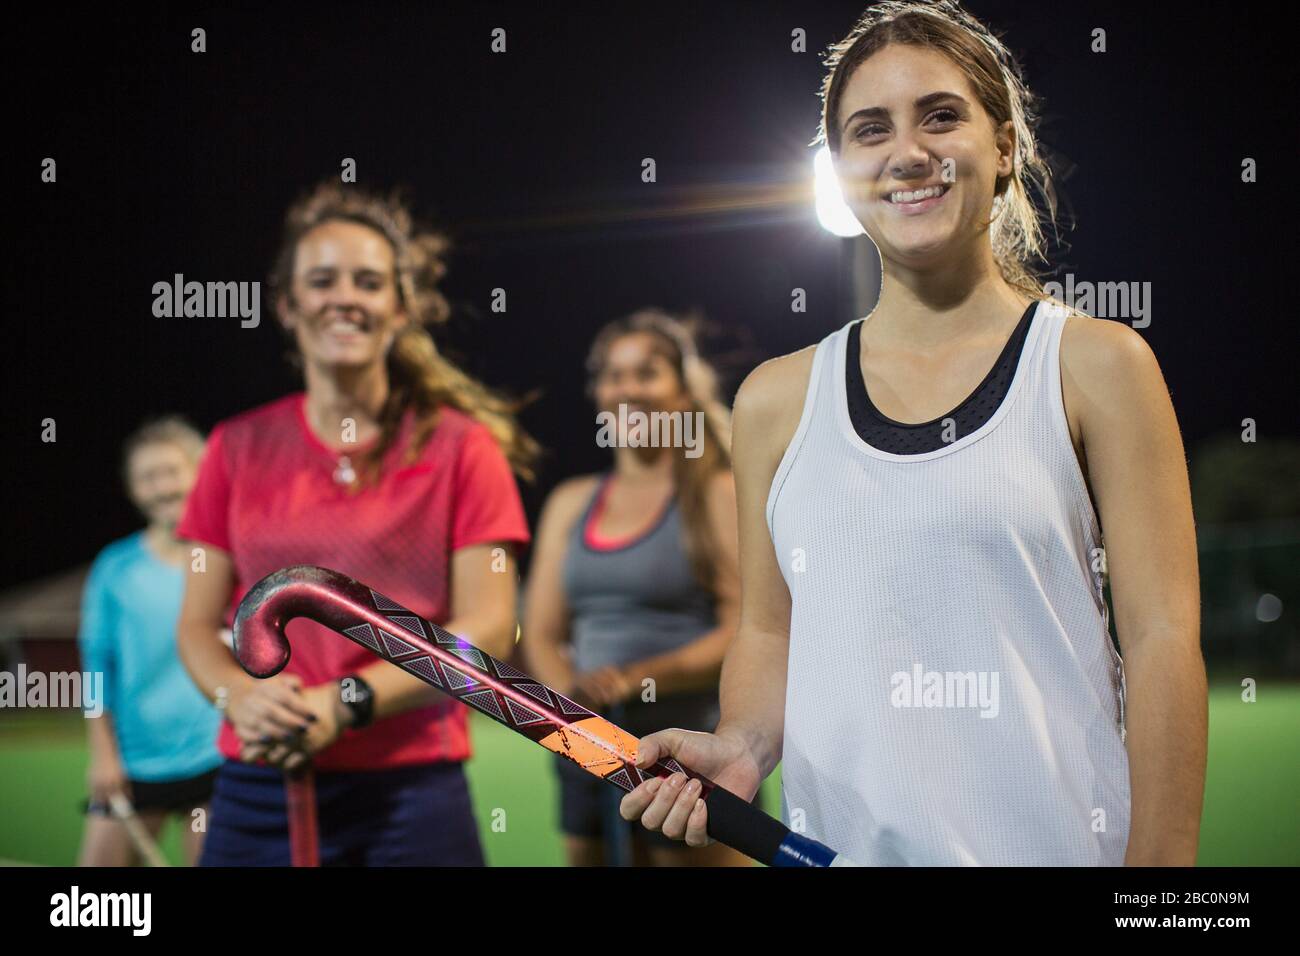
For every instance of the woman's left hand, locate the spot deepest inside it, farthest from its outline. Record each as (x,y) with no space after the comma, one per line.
(325,703)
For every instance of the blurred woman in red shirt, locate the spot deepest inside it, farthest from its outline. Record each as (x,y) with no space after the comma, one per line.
(393,467)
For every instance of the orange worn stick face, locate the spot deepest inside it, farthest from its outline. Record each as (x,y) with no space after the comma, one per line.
(595,744)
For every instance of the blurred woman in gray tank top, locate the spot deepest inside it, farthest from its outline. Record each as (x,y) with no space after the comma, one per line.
(633,593)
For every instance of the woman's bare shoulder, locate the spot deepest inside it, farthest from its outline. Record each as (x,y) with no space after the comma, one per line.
(775,382)
(1103,350)
(770,401)
(571,494)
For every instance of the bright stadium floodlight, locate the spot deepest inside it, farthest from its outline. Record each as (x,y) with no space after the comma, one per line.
(832,211)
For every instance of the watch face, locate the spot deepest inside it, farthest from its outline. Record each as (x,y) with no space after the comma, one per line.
(358,696)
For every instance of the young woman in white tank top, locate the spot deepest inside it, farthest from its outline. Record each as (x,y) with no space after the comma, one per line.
(924,640)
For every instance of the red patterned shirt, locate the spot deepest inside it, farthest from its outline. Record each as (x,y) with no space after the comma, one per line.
(266,494)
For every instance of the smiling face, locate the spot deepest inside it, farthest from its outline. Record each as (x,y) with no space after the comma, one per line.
(636,372)
(345,308)
(918,156)
(159,478)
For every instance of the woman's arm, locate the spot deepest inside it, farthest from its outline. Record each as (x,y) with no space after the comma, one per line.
(261,712)
(483,602)
(96,642)
(102,739)
(767,411)
(198,629)
(1138,474)
(546,612)
(106,774)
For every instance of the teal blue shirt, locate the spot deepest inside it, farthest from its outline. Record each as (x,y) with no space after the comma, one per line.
(166,729)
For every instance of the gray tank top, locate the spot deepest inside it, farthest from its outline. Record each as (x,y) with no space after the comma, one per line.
(638,600)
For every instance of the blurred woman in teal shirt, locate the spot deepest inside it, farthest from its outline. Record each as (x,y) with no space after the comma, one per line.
(152,734)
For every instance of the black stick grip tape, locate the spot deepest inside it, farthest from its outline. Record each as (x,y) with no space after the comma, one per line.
(744,827)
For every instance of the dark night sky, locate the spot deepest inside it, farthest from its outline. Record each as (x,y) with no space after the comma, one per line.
(174,162)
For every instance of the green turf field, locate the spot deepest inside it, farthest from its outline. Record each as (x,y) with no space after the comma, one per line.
(1252,798)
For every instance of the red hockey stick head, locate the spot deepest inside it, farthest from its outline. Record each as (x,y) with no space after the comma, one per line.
(260,642)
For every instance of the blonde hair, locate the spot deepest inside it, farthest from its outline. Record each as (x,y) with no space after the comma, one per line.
(1015,232)
(419,375)
(676,341)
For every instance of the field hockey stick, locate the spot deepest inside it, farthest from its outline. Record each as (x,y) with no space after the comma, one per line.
(124,810)
(300,800)
(504,693)
(614,829)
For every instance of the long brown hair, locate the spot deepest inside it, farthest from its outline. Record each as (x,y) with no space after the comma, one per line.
(675,340)
(942,25)
(419,376)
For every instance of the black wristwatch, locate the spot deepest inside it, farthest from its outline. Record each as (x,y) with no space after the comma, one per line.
(359,698)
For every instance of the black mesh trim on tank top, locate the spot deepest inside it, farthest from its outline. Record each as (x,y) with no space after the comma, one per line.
(899,438)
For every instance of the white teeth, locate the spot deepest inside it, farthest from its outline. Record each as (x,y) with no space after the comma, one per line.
(917,195)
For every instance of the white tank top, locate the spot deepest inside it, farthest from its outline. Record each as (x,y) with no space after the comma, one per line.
(953,694)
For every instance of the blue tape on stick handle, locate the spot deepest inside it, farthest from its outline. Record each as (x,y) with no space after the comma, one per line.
(796,850)
(744,827)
